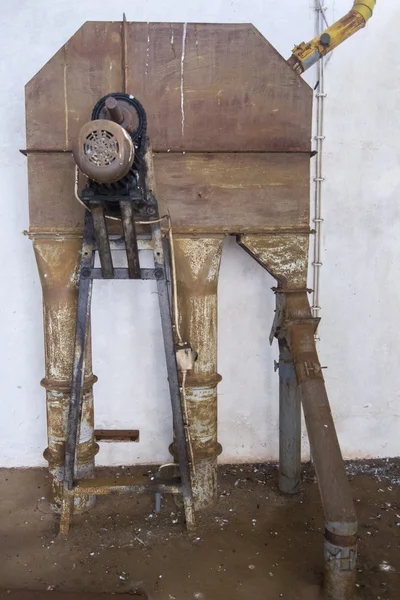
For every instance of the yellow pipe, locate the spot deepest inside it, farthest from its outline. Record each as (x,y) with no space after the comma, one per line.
(306,55)
(365,8)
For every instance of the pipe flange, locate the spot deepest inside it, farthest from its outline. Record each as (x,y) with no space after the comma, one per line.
(64,386)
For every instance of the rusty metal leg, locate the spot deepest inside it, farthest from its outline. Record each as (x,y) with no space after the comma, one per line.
(58,260)
(197,266)
(289,424)
(103,242)
(131,247)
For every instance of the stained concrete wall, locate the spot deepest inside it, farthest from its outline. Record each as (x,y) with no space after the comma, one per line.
(361,254)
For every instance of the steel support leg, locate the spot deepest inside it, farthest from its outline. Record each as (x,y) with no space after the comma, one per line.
(289,424)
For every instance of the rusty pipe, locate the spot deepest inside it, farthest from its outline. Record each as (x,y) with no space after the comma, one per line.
(57,260)
(294,326)
(340,516)
(197,270)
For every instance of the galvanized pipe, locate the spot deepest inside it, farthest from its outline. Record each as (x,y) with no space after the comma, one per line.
(289,424)
(57,260)
(318,174)
(197,268)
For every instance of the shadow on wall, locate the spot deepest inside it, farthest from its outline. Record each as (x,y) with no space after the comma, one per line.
(129,361)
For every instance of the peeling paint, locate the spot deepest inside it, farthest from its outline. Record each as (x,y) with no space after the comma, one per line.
(284,255)
(198,261)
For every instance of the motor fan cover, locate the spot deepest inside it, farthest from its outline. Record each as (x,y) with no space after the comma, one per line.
(104,151)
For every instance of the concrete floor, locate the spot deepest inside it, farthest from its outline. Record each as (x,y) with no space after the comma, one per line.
(255,545)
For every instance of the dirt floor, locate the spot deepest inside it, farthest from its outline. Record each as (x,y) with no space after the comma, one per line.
(255,545)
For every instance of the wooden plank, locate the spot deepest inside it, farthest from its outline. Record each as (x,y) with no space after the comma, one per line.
(44,105)
(211,193)
(52,205)
(61,96)
(209,87)
(233,193)
(116,435)
(205,87)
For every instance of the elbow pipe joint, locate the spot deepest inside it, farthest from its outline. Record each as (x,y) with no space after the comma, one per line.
(306,55)
(364,8)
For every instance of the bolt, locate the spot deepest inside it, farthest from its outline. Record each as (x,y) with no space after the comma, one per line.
(150,210)
(325,39)
(158,273)
(86,272)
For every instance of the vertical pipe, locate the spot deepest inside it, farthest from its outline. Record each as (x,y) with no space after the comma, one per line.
(289,424)
(197,265)
(57,260)
(318,176)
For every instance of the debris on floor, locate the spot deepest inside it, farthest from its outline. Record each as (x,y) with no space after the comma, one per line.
(256,543)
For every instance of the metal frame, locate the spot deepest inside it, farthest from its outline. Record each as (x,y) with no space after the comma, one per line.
(96,238)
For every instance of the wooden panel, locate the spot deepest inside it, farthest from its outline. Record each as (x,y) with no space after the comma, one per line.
(60,98)
(233,193)
(210,87)
(205,87)
(212,193)
(44,106)
(52,205)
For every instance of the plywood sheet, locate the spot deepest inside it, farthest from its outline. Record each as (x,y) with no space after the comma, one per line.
(234,192)
(61,96)
(210,87)
(205,87)
(212,193)
(52,205)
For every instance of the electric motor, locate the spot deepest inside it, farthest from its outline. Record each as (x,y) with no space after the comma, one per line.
(104,151)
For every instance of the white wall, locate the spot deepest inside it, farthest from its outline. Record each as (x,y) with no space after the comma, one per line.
(359,290)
